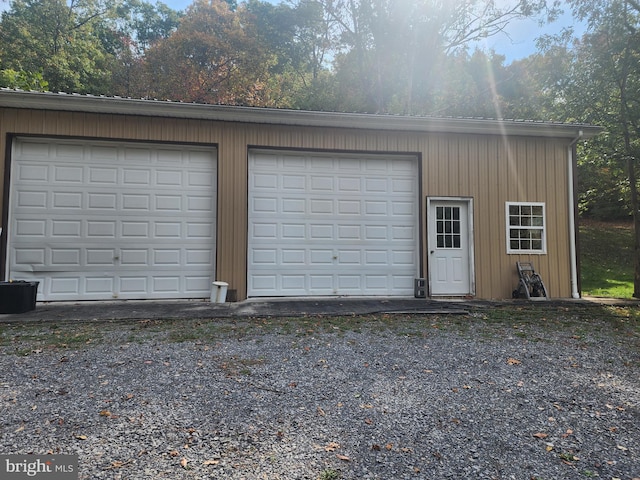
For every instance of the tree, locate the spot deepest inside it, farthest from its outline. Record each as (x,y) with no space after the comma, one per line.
(605,90)
(143,23)
(58,40)
(23,80)
(395,48)
(213,57)
(137,26)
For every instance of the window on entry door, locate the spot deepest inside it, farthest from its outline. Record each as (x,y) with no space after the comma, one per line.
(448,227)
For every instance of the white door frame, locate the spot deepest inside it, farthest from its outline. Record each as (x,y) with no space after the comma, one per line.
(470,239)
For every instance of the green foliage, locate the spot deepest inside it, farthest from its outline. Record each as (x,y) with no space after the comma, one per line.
(23,80)
(329,474)
(58,40)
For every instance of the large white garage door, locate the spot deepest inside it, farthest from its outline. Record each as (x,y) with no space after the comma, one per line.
(103,220)
(332,225)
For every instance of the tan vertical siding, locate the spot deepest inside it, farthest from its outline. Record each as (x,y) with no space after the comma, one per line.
(489,169)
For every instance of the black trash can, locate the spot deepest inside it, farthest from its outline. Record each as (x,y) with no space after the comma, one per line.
(18,296)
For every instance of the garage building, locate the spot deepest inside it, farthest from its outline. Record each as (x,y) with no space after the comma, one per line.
(113,198)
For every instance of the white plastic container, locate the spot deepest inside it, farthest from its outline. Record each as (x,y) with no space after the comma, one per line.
(219,292)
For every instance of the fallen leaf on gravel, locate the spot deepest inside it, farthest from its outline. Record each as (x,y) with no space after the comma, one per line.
(375,447)
(118,464)
(540,435)
(569,432)
(19,429)
(211,462)
(368,421)
(389,446)
(81,437)
(343,457)
(620,447)
(105,413)
(321,412)
(183,462)
(366,405)
(416,469)
(549,448)
(174,453)
(513,361)
(331,447)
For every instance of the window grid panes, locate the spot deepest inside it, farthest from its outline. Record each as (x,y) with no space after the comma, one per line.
(526,228)
(448,227)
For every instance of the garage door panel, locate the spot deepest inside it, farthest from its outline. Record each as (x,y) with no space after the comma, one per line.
(103,176)
(99,256)
(123,220)
(168,203)
(133,256)
(98,285)
(62,286)
(33,173)
(331,230)
(31,200)
(135,285)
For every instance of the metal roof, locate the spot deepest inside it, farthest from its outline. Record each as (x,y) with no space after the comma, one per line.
(273,116)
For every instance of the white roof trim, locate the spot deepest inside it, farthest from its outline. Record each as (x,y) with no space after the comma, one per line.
(225,113)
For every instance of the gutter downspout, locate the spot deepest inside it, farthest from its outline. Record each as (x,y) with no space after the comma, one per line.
(572,220)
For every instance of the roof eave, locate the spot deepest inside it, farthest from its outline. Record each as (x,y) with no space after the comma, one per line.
(226,113)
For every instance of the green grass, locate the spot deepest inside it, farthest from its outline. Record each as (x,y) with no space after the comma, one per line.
(606,259)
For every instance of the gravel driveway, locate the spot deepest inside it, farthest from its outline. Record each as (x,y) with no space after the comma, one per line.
(377,397)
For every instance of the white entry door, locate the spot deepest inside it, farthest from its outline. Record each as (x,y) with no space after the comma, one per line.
(450,247)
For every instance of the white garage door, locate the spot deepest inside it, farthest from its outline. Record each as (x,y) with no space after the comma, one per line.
(332,225)
(103,220)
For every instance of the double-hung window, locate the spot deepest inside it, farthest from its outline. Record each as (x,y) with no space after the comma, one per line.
(526,227)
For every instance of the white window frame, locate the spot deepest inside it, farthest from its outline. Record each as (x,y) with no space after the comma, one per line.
(542,228)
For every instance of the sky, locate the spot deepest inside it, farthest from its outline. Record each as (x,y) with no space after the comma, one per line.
(518,42)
